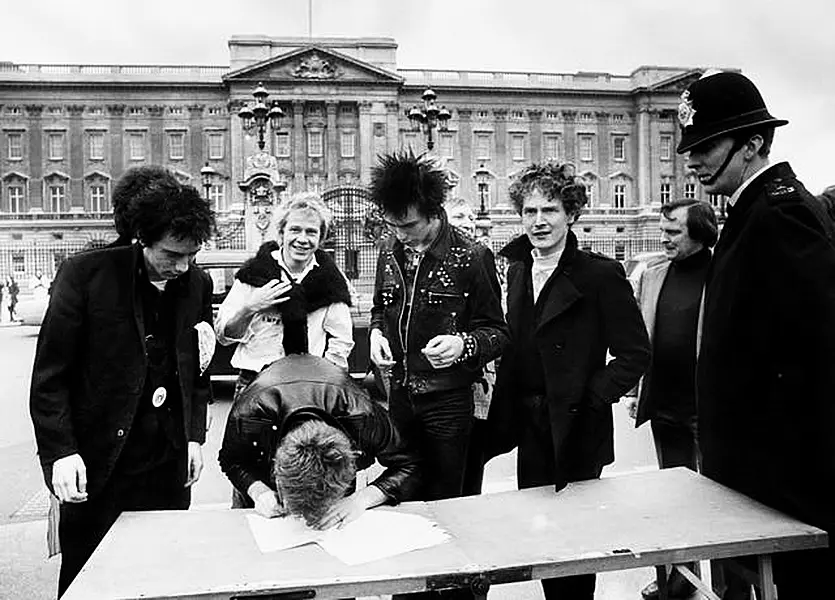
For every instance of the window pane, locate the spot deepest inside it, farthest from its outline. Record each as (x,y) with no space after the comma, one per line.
(56,198)
(136,146)
(620,195)
(216,146)
(282,144)
(347,146)
(15,146)
(690,191)
(56,145)
(552,147)
(97,198)
(96,146)
(15,198)
(619,147)
(176,145)
(586,147)
(517,147)
(314,143)
(666,147)
(216,196)
(665,193)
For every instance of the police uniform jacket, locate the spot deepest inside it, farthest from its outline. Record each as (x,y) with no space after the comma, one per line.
(765,376)
(90,362)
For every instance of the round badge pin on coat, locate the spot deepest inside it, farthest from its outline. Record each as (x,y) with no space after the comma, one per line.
(158,399)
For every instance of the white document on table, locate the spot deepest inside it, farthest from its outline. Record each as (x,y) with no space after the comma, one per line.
(280,533)
(376,534)
(379,534)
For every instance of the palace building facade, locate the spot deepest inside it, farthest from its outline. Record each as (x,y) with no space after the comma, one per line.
(67,133)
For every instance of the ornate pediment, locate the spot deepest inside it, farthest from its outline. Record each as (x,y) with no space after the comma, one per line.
(679,83)
(314,64)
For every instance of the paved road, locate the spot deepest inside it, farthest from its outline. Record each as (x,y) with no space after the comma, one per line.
(26,572)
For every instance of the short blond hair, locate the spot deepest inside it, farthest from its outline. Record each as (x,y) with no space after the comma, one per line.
(306,201)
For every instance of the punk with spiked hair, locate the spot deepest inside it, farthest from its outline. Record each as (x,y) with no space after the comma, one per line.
(403,179)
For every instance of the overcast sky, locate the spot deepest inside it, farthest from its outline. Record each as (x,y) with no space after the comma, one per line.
(786,47)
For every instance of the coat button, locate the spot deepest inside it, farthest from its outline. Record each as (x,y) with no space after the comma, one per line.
(120,433)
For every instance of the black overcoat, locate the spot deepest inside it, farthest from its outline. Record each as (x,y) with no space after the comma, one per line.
(90,362)
(588,310)
(766,367)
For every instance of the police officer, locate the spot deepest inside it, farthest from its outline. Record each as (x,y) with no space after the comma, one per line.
(764,377)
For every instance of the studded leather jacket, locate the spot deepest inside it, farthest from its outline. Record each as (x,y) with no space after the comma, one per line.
(455,291)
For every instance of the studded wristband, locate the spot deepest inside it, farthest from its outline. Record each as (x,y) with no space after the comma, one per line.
(470,347)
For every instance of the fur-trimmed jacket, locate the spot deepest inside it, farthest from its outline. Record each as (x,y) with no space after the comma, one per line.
(325,297)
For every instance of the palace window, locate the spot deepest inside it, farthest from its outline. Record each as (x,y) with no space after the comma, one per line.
(96,110)
(517,115)
(176,145)
(482,114)
(176,110)
(282,144)
(482,146)
(551,147)
(135,111)
(666,192)
(666,150)
(56,193)
(216,194)
(617,118)
(215,110)
(586,147)
(314,144)
(215,141)
(619,147)
(18,264)
(552,115)
(98,199)
(14,110)
(483,190)
(590,194)
(96,145)
(15,193)
(347,146)
(136,145)
(586,117)
(690,190)
(410,141)
(517,146)
(619,196)
(55,110)
(55,146)
(15,146)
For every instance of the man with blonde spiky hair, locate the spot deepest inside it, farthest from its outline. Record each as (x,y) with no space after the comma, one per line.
(436,318)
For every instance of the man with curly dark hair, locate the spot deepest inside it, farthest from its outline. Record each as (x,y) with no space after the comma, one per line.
(436,318)
(119,385)
(566,309)
(136,182)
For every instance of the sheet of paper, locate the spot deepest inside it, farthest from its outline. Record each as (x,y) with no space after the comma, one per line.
(381,533)
(280,533)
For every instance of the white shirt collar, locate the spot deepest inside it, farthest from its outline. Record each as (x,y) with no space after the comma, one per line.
(735,196)
(278,255)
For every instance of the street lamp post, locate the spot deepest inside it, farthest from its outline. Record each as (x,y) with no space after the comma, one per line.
(207,174)
(429,117)
(256,116)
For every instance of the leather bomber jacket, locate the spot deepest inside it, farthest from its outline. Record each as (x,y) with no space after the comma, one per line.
(303,386)
(456,290)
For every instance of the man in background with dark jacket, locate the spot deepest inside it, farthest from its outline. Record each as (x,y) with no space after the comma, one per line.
(566,309)
(119,389)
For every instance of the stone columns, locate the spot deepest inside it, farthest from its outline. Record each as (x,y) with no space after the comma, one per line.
(76,163)
(299,143)
(644,153)
(332,144)
(366,142)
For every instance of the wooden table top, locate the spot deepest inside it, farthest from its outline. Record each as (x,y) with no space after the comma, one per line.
(614,523)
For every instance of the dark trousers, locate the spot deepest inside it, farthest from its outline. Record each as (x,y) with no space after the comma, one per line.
(438,424)
(82,526)
(675,444)
(535,466)
(474,469)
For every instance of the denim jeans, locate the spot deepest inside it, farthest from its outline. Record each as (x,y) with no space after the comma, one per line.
(438,425)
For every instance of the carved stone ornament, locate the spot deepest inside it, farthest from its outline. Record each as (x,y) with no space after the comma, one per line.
(314,67)
(686,112)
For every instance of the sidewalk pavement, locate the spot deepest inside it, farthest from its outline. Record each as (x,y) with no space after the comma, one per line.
(27,574)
